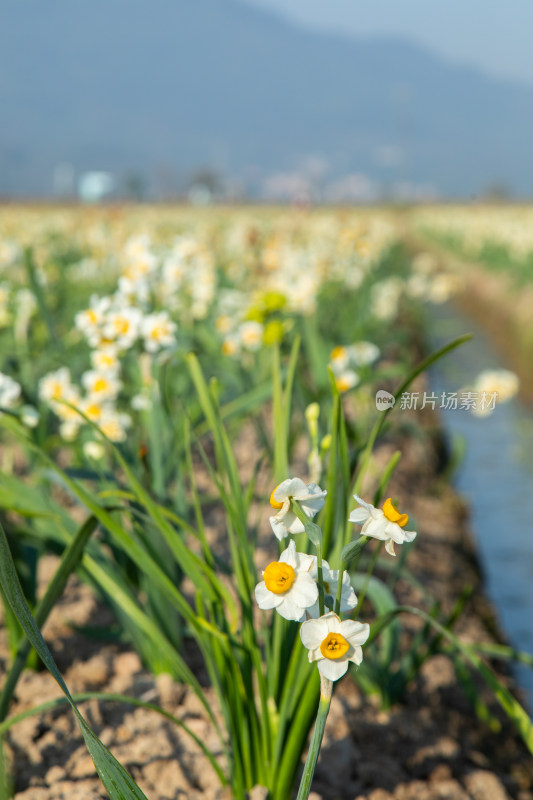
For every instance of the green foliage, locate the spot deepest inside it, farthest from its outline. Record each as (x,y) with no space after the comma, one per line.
(152,497)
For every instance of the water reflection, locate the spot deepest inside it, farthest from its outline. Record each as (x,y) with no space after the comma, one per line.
(495,476)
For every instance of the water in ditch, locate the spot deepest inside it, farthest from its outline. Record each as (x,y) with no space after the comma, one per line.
(495,476)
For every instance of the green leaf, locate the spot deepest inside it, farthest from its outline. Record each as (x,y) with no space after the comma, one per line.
(110,697)
(15,496)
(314,533)
(69,561)
(353,549)
(118,783)
(510,705)
(424,364)
(383,602)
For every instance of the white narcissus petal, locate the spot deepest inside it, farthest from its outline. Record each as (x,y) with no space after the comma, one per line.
(314,610)
(292,487)
(376,528)
(314,500)
(394,532)
(289,609)
(389,547)
(332,621)
(289,554)
(314,489)
(285,521)
(304,591)
(379,526)
(278,528)
(333,669)
(348,595)
(357,655)
(359,515)
(326,571)
(313,632)
(361,502)
(294,525)
(306,563)
(265,598)
(355,632)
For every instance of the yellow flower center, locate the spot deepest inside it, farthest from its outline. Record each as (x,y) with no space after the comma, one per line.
(334,646)
(343,384)
(122,325)
(106,360)
(393,515)
(100,385)
(362,247)
(93,411)
(338,353)
(279,577)
(223,324)
(273,502)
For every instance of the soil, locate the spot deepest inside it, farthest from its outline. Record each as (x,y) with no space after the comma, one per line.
(431,745)
(496,303)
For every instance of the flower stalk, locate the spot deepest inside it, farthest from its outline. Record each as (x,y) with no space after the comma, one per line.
(326,690)
(314,534)
(339,591)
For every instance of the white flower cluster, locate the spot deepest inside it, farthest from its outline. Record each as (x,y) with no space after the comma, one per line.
(291,584)
(112,326)
(280,276)
(10,398)
(98,403)
(346,361)
(9,391)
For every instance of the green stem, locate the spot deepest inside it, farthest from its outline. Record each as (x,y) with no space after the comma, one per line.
(339,589)
(321,607)
(326,688)
(315,536)
(376,430)
(370,570)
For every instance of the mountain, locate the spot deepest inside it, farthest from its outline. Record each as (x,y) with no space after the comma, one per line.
(165,87)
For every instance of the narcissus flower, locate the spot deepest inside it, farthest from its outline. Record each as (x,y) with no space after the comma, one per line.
(158,331)
(330,578)
(9,391)
(332,643)
(386,524)
(310,496)
(287,585)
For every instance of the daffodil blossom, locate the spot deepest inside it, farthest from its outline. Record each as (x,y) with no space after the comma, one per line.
(330,578)
(310,496)
(287,585)
(333,643)
(386,524)
(9,391)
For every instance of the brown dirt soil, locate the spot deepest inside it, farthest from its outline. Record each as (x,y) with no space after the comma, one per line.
(497,304)
(430,746)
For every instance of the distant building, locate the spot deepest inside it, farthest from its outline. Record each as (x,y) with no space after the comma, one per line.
(93,187)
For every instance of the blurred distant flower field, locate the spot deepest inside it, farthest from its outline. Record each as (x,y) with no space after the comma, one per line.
(142,351)
(487,251)
(99,308)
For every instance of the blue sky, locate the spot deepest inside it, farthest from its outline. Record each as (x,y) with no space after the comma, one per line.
(494,35)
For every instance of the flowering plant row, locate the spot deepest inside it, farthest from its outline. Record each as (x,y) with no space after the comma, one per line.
(106,397)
